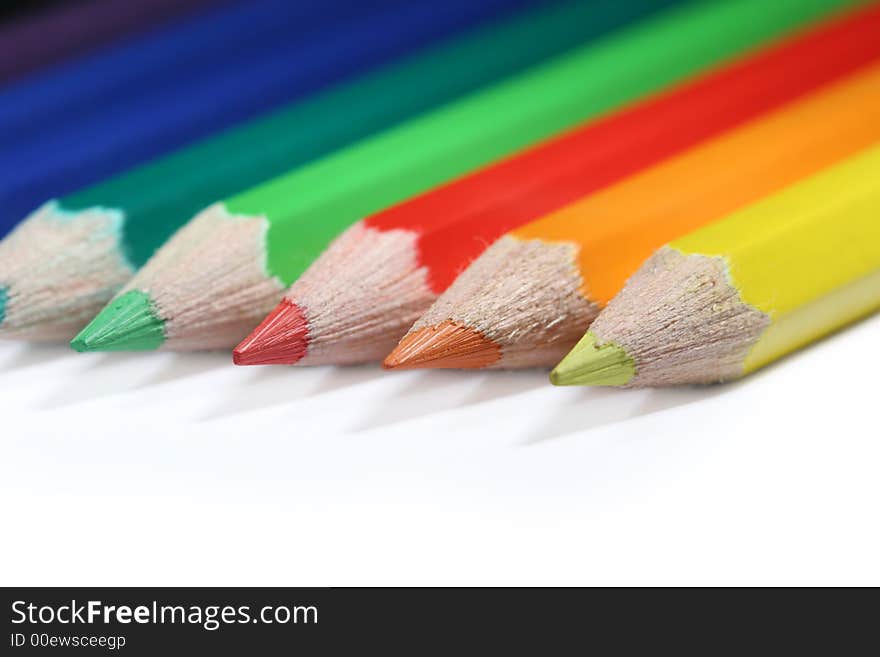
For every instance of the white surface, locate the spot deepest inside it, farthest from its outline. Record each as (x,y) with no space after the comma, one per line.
(166,469)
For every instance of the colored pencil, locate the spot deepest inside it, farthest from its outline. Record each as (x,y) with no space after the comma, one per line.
(56,33)
(228,268)
(360,296)
(121,222)
(735,296)
(335,46)
(530,297)
(135,67)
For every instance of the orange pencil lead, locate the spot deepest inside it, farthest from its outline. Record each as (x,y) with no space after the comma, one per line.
(446,345)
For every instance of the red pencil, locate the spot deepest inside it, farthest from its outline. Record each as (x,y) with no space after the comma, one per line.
(356,301)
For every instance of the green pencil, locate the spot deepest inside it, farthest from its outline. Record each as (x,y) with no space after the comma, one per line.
(227,268)
(68,259)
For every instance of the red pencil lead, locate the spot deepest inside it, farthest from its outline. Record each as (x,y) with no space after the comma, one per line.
(280,339)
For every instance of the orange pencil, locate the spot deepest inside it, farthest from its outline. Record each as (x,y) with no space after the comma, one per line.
(528,299)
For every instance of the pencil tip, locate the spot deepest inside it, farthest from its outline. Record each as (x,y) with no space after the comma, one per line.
(4,297)
(592,364)
(128,323)
(280,339)
(446,345)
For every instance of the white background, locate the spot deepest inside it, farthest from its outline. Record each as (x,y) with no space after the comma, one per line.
(164,469)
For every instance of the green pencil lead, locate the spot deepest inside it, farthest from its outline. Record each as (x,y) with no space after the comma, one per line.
(4,297)
(128,323)
(589,364)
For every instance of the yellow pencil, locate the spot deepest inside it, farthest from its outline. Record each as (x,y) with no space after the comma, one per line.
(738,294)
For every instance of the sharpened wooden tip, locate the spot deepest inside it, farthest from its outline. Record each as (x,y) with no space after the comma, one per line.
(447,345)
(280,339)
(593,364)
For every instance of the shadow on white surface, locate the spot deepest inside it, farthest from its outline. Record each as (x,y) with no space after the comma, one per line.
(276,385)
(506,384)
(591,408)
(339,378)
(186,365)
(428,392)
(104,376)
(261,387)
(33,354)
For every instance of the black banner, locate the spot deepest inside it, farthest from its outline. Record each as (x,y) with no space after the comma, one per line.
(269,621)
(163,621)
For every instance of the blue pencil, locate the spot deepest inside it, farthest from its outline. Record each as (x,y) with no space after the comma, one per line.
(80,85)
(123,134)
(183,49)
